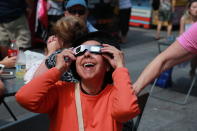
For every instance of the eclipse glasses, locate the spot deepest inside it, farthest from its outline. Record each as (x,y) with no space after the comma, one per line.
(80,50)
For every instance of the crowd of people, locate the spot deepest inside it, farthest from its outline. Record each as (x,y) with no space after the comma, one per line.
(83,83)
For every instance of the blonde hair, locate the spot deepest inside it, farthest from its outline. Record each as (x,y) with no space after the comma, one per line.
(187,16)
(68,28)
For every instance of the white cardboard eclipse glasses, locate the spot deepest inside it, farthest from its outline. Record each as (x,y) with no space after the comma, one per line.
(80,50)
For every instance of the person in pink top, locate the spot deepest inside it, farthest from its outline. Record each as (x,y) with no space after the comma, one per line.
(183,49)
(105,90)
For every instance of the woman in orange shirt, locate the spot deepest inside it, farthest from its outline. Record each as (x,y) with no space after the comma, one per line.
(106,94)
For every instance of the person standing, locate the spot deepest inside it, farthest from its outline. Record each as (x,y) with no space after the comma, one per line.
(166,10)
(189,17)
(14,24)
(124,16)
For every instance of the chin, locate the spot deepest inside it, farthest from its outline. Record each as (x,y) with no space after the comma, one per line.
(87,77)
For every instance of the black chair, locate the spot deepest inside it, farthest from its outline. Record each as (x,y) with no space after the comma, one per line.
(133,124)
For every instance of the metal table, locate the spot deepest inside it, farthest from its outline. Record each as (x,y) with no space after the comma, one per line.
(12,85)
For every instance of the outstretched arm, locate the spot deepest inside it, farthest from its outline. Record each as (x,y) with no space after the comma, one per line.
(182,26)
(171,56)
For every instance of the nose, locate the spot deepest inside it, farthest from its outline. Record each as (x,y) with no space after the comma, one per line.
(87,54)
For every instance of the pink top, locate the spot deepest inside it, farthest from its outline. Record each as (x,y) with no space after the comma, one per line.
(188,39)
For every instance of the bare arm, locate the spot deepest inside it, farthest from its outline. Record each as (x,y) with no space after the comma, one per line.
(182,26)
(52,46)
(41,69)
(171,56)
(2,89)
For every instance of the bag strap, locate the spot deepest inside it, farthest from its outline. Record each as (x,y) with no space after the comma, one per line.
(78,106)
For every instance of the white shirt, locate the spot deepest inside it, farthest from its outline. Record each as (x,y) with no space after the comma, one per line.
(124,4)
(90,27)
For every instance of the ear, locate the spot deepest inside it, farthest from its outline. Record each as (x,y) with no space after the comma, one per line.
(108,67)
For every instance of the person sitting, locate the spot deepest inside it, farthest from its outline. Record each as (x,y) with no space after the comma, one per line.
(105,90)
(79,9)
(66,30)
(75,9)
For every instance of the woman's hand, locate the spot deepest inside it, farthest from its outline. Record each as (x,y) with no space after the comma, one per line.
(64,60)
(52,44)
(114,56)
(9,61)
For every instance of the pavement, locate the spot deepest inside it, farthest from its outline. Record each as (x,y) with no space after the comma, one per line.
(159,115)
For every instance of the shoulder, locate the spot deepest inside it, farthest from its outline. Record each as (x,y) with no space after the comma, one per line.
(189,40)
(63,85)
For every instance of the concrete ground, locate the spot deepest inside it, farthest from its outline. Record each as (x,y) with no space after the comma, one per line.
(158,115)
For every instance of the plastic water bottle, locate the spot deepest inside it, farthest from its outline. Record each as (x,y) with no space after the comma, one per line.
(13,50)
(21,65)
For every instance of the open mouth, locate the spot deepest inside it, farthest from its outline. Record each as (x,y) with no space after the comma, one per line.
(88,65)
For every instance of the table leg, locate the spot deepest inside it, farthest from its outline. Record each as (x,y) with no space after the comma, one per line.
(9,110)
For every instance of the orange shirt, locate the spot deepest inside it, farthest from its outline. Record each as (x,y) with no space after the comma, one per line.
(103,112)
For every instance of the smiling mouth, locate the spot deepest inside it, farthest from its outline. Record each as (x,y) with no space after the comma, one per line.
(88,65)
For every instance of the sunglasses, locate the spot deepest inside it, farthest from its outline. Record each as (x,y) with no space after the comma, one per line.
(77,11)
(80,50)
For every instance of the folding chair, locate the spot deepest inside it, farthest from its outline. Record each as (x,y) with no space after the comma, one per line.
(176,102)
(133,124)
(142,100)
(163,43)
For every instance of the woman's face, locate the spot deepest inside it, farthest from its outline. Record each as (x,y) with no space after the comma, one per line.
(91,66)
(193,9)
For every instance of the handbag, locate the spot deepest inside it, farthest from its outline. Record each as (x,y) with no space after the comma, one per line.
(78,107)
